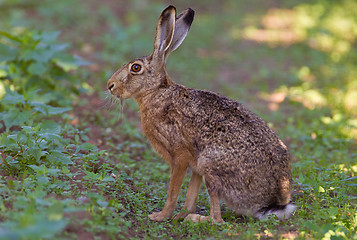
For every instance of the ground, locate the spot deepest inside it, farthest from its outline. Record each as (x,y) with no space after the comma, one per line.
(284,61)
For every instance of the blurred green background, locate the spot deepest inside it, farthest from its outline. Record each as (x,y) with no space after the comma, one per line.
(292,62)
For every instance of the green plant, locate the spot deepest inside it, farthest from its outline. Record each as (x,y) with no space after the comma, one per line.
(29,139)
(104,179)
(33,60)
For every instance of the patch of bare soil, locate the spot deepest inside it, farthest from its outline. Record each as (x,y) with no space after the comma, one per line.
(76,227)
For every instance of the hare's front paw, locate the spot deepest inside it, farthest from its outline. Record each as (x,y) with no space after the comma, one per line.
(158,216)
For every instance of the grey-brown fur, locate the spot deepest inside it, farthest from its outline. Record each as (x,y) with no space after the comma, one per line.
(241,159)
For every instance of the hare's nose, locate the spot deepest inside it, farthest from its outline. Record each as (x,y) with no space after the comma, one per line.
(111,85)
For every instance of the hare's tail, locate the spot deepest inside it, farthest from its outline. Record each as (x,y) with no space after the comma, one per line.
(281,211)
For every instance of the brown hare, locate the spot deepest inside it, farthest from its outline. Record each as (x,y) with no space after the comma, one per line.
(240,159)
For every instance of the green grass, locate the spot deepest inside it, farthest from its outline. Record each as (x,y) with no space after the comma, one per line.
(72,167)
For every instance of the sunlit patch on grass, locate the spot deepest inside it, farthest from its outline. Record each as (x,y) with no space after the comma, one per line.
(310,98)
(290,235)
(349,129)
(2,90)
(272,36)
(278,27)
(350,99)
(274,100)
(335,33)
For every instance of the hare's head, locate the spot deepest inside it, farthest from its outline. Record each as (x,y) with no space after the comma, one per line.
(144,75)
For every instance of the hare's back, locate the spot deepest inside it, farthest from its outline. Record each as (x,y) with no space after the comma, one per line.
(211,120)
(216,118)
(206,119)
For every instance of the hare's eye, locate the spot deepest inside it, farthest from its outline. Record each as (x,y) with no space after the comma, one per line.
(135,68)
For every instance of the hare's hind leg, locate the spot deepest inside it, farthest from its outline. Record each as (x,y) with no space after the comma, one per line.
(215,212)
(191,196)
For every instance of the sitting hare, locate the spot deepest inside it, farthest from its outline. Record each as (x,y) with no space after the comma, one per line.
(239,158)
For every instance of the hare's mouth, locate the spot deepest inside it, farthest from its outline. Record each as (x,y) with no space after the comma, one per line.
(116,95)
(114,92)
(119,94)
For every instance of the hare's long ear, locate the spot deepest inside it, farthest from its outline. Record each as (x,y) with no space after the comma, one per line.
(182,26)
(164,33)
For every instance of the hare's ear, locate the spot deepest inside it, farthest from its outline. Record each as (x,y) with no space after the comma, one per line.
(182,26)
(164,33)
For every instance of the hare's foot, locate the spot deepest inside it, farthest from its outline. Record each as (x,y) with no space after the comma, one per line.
(181,215)
(199,218)
(196,218)
(159,216)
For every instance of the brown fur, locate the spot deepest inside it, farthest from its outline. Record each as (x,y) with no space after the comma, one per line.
(241,160)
